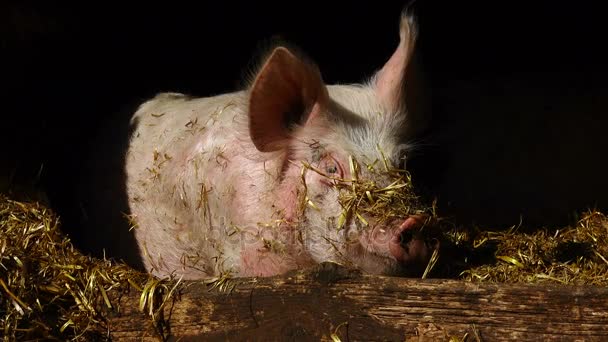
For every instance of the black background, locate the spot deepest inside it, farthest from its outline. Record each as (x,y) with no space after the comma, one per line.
(519,92)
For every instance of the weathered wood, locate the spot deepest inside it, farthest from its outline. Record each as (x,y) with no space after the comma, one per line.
(310,305)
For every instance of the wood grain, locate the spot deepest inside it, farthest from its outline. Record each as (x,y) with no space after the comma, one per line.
(309,305)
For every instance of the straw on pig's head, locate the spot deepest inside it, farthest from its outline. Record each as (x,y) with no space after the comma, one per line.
(344,149)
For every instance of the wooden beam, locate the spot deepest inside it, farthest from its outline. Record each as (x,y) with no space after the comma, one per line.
(313,304)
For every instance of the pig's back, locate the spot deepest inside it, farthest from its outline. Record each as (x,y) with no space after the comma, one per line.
(171,124)
(169,117)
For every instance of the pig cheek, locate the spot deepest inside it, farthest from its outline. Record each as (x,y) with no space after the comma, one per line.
(318,187)
(258,260)
(325,199)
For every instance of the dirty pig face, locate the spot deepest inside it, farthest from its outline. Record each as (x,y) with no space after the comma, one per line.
(344,148)
(356,196)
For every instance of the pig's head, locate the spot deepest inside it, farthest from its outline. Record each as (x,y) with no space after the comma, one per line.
(342,150)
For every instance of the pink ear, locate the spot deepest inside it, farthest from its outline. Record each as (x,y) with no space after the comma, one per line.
(391,79)
(286,91)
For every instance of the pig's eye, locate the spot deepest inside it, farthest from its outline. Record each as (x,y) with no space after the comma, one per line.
(331,167)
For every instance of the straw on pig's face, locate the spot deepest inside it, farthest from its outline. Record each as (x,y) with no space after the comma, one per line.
(356,207)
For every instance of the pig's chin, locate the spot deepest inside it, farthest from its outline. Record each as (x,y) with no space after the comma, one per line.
(372,262)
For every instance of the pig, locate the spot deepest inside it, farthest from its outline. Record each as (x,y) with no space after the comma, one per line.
(248,183)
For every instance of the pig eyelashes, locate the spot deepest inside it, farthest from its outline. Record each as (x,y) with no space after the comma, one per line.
(331,167)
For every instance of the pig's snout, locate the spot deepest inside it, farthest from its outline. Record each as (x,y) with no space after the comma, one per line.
(407,245)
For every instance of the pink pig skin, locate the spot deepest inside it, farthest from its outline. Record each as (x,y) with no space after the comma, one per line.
(214,184)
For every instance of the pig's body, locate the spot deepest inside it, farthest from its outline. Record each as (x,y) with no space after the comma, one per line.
(216,185)
(194,178)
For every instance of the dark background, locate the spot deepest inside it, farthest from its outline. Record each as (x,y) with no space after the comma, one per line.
(519,92)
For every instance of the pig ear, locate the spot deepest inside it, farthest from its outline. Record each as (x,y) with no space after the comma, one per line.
(391,78)
(398,82)
(285,92)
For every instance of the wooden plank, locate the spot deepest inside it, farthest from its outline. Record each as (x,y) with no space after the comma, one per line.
(311,304)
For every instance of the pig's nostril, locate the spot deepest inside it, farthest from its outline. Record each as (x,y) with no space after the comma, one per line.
(405,237)
(407,244)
